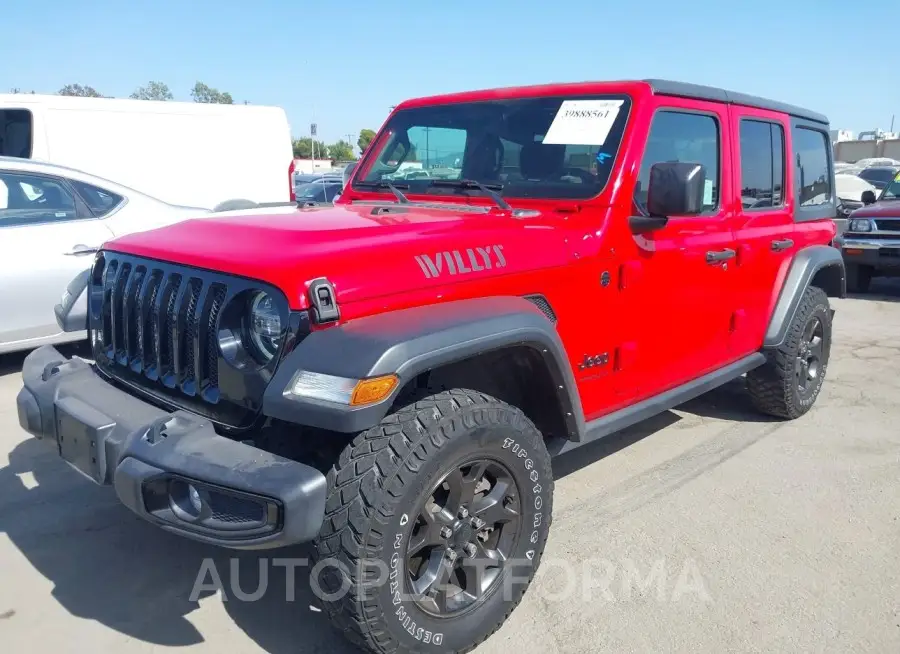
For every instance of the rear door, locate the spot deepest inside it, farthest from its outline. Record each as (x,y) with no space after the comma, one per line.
(47,237)
(763,225)
(681,274)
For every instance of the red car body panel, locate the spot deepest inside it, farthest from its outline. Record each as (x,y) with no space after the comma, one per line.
(653,303)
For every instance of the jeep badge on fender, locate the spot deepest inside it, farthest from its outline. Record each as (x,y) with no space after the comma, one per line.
(267,380)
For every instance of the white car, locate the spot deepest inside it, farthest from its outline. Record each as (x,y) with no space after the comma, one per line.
(52,220)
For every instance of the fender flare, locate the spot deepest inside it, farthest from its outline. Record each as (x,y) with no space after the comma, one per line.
(409,342)
(807,263)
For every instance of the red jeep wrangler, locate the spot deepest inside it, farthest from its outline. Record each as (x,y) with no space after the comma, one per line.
(509,274)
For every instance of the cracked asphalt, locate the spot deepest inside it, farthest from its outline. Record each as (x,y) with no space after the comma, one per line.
(706,529)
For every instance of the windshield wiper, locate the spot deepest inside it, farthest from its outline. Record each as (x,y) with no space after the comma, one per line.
(394,188)
(488,189)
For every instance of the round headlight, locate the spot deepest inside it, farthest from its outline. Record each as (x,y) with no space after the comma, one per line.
(265,326)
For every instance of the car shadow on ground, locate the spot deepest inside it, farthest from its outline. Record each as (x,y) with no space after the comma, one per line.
(108,566)
(883,289)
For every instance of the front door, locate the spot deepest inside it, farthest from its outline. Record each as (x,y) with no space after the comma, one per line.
(46,239)
(677,280)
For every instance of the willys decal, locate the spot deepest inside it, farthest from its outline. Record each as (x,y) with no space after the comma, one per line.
(461,262)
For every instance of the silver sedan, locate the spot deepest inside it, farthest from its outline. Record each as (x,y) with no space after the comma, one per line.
(52,220)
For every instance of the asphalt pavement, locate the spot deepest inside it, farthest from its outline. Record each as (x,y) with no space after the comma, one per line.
(707,529)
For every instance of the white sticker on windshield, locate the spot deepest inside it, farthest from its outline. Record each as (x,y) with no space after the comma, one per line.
(583,122)
(707,192)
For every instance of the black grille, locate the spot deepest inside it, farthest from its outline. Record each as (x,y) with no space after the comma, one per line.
(888,225)
(155,327)
(145,299)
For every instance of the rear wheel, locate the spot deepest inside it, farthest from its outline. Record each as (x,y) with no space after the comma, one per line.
(436,521)
(787,385)
(859,278)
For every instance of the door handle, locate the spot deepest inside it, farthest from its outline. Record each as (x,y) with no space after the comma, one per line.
(715,256)
(80,251)
(778,246)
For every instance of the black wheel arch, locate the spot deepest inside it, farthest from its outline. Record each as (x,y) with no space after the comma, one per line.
(818,265)
(423,345)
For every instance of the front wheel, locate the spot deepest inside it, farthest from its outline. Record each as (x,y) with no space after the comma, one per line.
(436,521)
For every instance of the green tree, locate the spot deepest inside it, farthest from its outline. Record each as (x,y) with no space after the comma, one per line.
(303,149)
(365,137)
(80,91)
(340,151)
(203,93)
(153,91)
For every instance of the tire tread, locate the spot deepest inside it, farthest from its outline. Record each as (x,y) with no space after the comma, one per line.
(385,459)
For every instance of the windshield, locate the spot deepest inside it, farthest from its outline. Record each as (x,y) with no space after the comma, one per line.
(892,190)
(547,147)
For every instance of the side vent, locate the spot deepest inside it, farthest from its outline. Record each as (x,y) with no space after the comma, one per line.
(541,303)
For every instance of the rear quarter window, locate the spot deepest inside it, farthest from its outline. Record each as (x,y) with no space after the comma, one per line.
(813,172)
(16,129)
(99,201)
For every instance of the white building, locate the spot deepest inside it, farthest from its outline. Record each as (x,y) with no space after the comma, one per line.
(838,135)
(310,166)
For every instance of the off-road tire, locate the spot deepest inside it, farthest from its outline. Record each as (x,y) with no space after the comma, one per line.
(375,486)
(774,388)
(859,278)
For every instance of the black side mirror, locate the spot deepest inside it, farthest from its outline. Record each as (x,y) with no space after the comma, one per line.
(868,197)
(675,189)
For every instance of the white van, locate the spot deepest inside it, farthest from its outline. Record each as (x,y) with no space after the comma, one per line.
(183,153)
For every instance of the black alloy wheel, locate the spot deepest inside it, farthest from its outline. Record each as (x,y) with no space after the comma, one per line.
(810,356)
(466,529)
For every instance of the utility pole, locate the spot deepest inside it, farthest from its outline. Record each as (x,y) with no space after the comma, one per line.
(350,141)
(312,144)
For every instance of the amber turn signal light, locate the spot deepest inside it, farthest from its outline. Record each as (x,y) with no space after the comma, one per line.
(369,391)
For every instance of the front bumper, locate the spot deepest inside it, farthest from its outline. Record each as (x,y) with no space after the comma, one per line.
(881,254)
(172,469)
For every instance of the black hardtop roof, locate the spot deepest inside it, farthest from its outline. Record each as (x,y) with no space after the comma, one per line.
(700,92)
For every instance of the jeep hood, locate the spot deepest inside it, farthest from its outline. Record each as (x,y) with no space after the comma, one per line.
(364,251)
(883,209)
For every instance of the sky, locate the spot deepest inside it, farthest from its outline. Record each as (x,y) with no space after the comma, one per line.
(344,64)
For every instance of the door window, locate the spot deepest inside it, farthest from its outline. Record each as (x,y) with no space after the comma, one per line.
(684,137)
(32,199)
(762,164)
